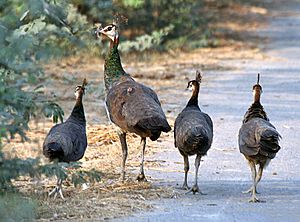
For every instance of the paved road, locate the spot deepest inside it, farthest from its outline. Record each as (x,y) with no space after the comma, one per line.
(224,173)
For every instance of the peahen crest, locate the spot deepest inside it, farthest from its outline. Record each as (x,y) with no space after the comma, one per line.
(257,84)
(84,83)
(197,79)
(199,76)
(119,19)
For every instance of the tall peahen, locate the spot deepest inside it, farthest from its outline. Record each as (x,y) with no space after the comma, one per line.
(258,139)
(67,142)
(193,132)
(132,107)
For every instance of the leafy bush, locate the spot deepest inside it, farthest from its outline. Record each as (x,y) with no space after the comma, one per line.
(31,32)
(13,168)
(14,207)
(146,42)
(147,17)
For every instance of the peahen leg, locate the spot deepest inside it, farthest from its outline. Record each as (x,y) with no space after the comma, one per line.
(186,170)
(258,176)
(57,190)
(254,178)
(195,187)
(122,137)
(253,174)
(141,176)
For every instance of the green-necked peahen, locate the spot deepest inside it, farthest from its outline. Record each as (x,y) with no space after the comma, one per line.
(131,106)
(67,142)
(258,139)
(193,132)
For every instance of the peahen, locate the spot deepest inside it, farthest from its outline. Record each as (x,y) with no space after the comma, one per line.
(67,142)
(131,106)
(258,139)
(193,132)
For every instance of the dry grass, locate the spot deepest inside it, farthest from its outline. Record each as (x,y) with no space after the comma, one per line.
(106,199)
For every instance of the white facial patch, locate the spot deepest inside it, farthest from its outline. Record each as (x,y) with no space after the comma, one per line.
(77,92)
(254,91)
(109,31)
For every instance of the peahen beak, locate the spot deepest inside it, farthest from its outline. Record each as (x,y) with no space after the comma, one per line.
(99,30)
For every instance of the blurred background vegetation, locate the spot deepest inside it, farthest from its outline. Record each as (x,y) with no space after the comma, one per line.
(34,31)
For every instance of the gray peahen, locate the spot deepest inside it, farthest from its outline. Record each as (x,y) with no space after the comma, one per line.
(131,106)
(67,142)
(258,139)
(193,132)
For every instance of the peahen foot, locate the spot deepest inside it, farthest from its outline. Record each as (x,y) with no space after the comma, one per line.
(254,199)
(141,178)
(184,187)
(57,190)
(250,190)
(195,189)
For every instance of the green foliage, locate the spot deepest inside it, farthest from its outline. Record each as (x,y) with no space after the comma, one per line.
(146,17)
(31,32)
(82,176)
(72,171)
(20,101)
(15,167)
(23,28)
(146,42)
(133,3)
(14,207)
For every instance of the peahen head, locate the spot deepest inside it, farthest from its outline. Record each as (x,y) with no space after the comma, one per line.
(110,31)
(257,90)
(80,90)
(195,83)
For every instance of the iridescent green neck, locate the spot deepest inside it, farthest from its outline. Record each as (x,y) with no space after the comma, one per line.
(113,69)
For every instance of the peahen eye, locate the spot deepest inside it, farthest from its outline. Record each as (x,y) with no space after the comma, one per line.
(109,28)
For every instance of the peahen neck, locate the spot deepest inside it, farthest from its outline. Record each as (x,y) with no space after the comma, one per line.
(78,111)
(113,69)
(256,110)
(194,98)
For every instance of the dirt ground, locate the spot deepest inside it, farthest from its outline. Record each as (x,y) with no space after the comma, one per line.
(166,74)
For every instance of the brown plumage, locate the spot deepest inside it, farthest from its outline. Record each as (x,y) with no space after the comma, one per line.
(131,106)
(135,108)
(258,139)
(193,132)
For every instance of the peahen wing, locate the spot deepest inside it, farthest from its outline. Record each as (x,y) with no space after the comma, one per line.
(193,131)
(136,108)
(72,139)
(258,136)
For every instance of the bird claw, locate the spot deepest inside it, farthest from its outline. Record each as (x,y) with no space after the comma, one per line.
(247,191)
(250,191)
(254,199)
(184,187)
(141,178)
(195,189)
(55,191)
